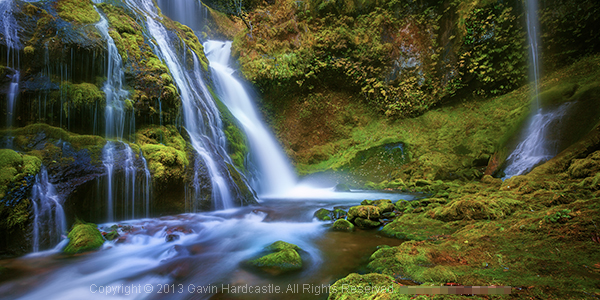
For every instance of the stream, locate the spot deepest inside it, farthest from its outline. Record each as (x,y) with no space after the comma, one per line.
(203,255)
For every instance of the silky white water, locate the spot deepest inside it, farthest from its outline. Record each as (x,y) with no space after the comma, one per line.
(275,173)
(49,222)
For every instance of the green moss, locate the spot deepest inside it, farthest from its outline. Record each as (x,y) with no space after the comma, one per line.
(342,225)
(365,223)
(281,261)
(80,11)
(15,217)
(236,146)
(83,237)
(81,96)
(323,214)
(417,227)
(364,211)
(476,207)
(280,246)
(14,167)
(165,162)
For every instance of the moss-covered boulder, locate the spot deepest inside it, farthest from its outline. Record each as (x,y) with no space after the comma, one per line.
(323,214)
(284,259)
(83,237)
(280,246)
(370,212)
(342,225)
(366,223)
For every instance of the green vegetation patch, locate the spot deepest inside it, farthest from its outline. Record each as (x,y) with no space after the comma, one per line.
(284,259)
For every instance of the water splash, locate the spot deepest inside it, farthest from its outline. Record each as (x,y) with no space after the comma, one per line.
(275,173)
(49,223)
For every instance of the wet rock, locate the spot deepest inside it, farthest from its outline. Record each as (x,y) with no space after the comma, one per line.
(370,212)
(366,223)
(342,225)
(112,235)
(171,237)
(323,214)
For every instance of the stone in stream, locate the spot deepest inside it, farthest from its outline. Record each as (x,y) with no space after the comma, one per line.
(342,225)
(83,237)
(284,259)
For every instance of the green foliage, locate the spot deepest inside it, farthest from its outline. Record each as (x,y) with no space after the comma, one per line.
(557,216)
(494,54)
(14,167)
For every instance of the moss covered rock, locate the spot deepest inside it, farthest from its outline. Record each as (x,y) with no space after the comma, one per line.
(280,246)
(370,212)
(416,227)
(342,225)
(279,262)
(323,214)
(83,237)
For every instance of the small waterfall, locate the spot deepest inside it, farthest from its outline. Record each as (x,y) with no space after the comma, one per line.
(533,38)
(117,126)
(10,28)
(147,186)
(115,114)
(13,92)
(536,148)
(108,159)
(49,223)
(275,173)
(127,194)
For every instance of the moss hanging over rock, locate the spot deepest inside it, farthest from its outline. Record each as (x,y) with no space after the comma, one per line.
(83,237)
(14,168)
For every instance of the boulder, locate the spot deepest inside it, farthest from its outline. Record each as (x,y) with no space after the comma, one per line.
(83,237)
(364,211)
(342,225)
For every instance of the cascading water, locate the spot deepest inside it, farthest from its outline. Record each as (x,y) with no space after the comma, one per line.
(49,223)
(13,91)
(117,126)
(275,173)
(200,115)
(534,148)
(10,30)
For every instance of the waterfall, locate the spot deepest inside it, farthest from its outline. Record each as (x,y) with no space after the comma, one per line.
(13,91)
(534,148)
(49,223)
(201,118)
(275,173)
(117,126)
(10,30)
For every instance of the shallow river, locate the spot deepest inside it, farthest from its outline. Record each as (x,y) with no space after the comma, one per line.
(205,257)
